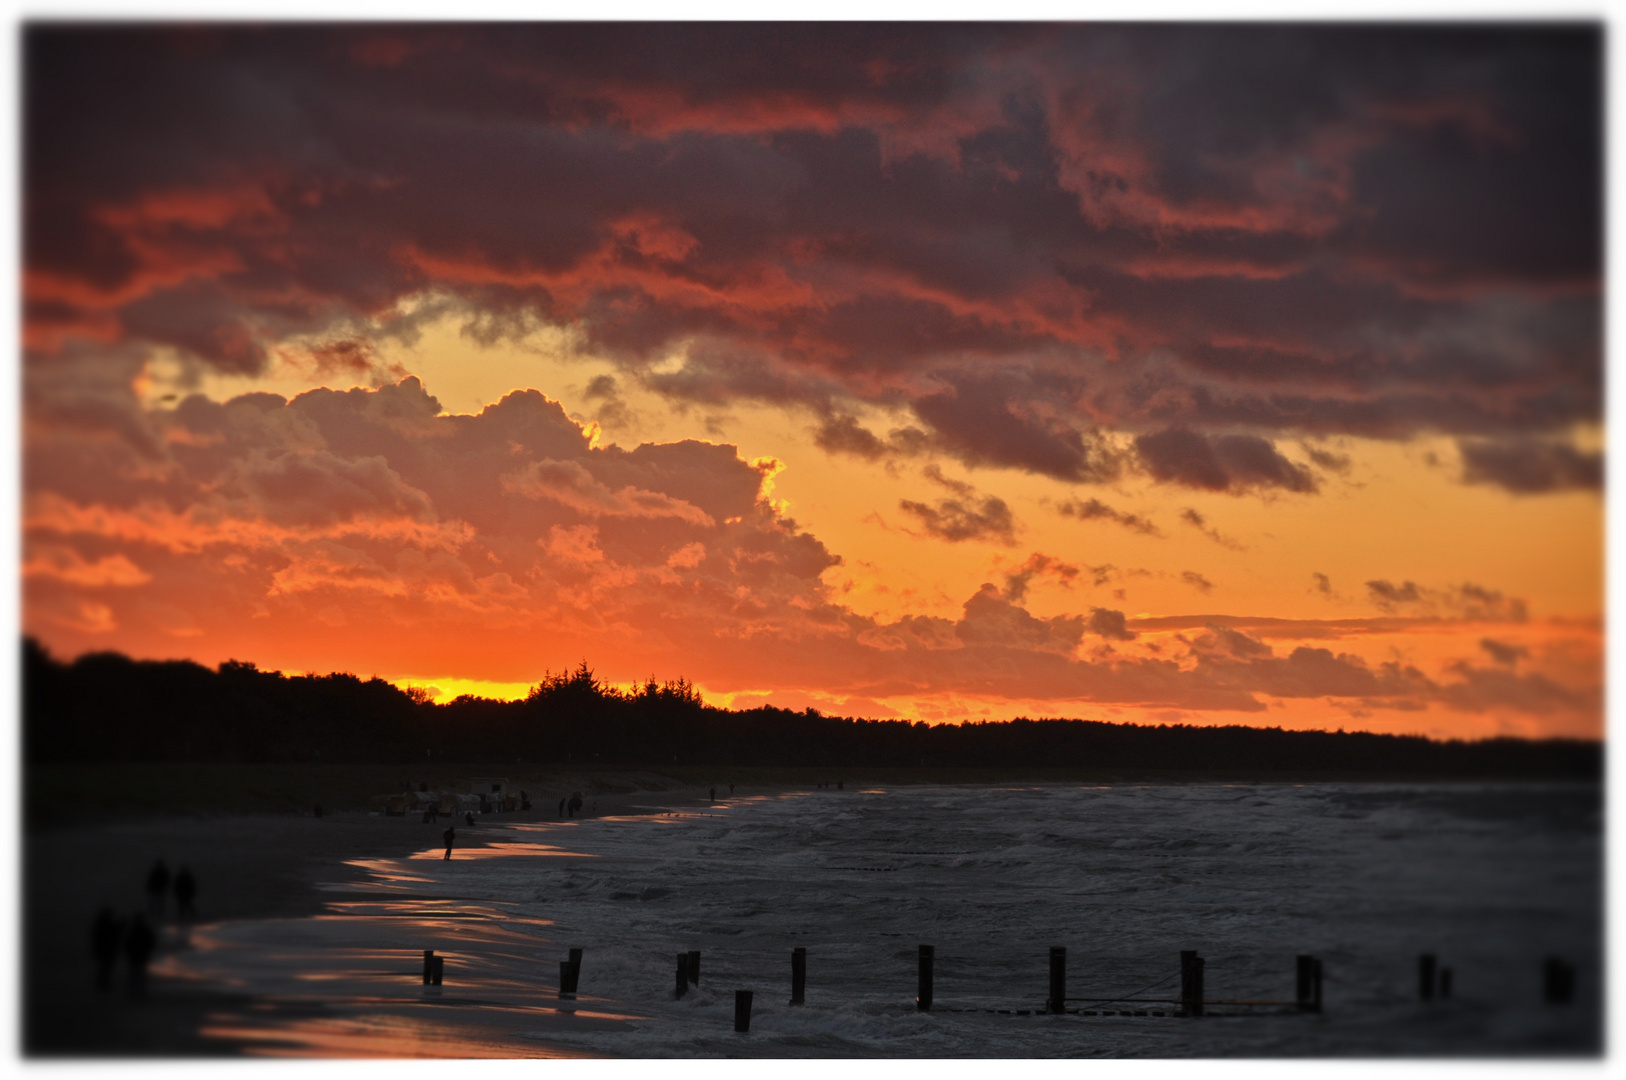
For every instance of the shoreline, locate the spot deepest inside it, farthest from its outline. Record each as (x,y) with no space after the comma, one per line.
(248,866)
(63,793)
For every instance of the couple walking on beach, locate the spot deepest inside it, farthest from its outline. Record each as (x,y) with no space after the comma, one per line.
(137,941)
(158,885)
(136,938)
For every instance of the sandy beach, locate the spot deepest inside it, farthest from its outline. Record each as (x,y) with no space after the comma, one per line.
(247,867)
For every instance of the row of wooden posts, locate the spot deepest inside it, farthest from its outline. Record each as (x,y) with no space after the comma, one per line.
(1557,980)
(1558,983)
(1191,1000)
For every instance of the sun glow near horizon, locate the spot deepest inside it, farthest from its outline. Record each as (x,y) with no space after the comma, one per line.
(935,396)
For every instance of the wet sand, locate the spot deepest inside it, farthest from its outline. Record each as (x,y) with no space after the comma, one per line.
(247,867)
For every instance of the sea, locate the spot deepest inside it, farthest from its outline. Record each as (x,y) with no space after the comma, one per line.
(1493,880)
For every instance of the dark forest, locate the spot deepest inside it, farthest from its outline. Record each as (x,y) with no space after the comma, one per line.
(108,707)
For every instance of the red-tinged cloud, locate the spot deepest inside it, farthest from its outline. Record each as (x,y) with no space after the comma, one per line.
(1071,250)
(371,523)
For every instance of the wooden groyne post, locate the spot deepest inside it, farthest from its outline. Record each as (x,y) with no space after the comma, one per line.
(570,974)
(742,1010)
(798,975)
(1557,981)
(1425,976)
(438,965)
(682,973)
(428,965)
(694,966)
(1057,1002)
(1191,982)
(1307,994)
(923,999)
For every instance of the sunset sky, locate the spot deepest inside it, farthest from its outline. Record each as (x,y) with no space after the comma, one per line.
(1238,374)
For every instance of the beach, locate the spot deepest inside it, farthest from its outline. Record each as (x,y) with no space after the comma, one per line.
(248,866)
(316,951)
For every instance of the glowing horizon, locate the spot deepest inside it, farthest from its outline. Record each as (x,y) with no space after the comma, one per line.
(1152,374)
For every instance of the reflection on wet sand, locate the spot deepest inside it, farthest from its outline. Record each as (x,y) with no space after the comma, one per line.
(349,983)
(505,849)
(376,1035)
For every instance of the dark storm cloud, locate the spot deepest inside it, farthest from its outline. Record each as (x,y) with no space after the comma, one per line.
(1110,625)
(1530,466)
(957,519)
(845,435)
(1220,462)
(1002,422)
(1209,238)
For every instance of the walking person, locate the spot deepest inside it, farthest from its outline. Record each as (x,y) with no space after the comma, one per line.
(139,943)
(449,835)
(104,942)
(157,887)
(186,887)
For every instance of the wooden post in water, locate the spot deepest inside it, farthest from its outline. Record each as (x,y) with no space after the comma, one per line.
(742,1010)
(440,970)
(1305,979)
(798,975)
(575,969)
(1425,977)
(1191,982)
(923,999)
(1445,983)
(1058,980)
(1557,981)
(682,973)
(428,965)
(565,989)
(694,966)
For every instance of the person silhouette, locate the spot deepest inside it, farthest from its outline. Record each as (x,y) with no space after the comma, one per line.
(449,835)
(186,887)
(157,886)
(104,939)
(469,817)
(139,943)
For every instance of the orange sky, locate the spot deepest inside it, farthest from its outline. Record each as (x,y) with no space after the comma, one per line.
(948,376)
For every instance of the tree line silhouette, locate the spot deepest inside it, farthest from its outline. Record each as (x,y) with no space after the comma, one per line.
(108,707)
